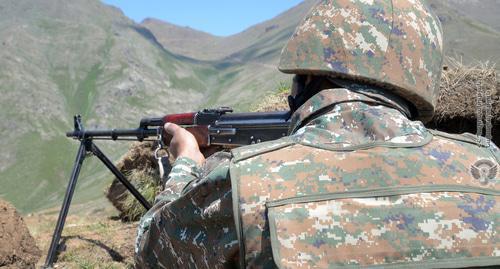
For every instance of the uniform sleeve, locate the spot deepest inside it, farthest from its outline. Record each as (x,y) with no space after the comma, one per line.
(184,171)
(191,224)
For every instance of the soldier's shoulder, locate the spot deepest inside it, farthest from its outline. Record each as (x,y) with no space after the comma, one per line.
(467,138)
(469,142)
(246,152)
(462,138)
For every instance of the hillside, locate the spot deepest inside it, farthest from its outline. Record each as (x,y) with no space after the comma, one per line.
(60,58)
(484,11)
(82,56)
(471,28)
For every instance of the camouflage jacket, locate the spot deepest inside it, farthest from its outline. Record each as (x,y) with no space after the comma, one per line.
(356,183)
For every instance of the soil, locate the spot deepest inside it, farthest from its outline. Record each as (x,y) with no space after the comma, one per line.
(17,246)
(90,239)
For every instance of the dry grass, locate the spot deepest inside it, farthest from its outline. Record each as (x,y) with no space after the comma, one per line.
(148,184)
(274,102)
(141,169)
(460,86)
(457,104)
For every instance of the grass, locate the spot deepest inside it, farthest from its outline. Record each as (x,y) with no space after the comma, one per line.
(148,184)
(41,174)
(194,81)
(48,26)
(90,238)
(39,168)
(274,101)
(80,252)
(43,163)
(225,79)
(85,94)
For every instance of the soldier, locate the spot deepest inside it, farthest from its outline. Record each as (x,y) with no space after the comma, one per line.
(356,182)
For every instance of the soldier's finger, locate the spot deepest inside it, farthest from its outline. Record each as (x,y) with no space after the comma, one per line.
(171,128)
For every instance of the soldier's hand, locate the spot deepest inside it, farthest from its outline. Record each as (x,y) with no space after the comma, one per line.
(183,143)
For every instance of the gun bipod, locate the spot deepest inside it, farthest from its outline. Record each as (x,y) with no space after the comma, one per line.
(87,146)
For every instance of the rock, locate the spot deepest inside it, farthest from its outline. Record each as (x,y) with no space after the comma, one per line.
(17,246)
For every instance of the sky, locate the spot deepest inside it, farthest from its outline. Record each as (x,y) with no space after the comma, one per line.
(218,17)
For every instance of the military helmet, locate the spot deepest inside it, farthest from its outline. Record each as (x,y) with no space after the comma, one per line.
(395,45)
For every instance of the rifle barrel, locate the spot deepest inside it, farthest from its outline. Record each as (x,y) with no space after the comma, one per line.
(139,133)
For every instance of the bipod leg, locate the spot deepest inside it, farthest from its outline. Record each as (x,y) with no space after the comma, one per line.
(99,154)
(80,157)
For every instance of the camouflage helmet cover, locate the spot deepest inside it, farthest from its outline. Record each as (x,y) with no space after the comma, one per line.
(396,45)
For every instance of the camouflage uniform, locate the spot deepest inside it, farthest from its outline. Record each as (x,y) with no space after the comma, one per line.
(356,183)
(363,185)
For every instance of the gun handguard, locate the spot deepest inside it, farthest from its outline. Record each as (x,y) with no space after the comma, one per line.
(211,127)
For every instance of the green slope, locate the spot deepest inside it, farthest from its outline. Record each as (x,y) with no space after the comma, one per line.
(471,29)
(61,58)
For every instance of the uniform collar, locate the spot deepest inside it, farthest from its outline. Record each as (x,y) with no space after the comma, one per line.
(323,102)
(345,118)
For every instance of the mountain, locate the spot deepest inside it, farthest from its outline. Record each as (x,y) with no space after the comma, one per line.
(472,31)
(471,28)
(59,58)
(203,46)
(483,11)
(246,62)
(62,57)
(184,40)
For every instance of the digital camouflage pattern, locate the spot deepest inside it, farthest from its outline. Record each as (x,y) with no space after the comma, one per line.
(354,145)
(191,224)
(363,185)
(397,45)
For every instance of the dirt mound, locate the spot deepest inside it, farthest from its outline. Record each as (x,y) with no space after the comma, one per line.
(17,247)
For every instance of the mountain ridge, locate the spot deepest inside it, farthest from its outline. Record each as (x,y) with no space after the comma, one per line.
(223,47)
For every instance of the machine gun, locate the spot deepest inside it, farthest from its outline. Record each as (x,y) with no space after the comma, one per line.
(214,129)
